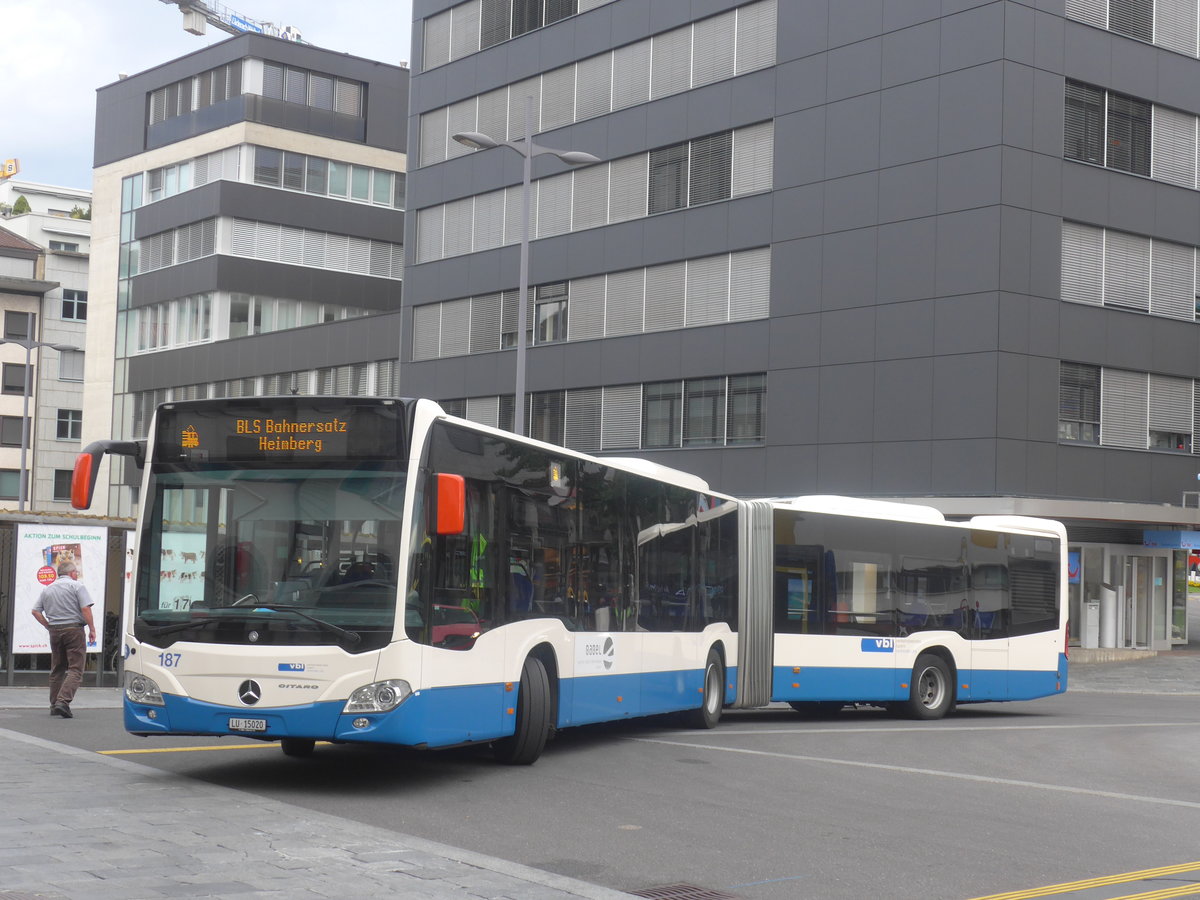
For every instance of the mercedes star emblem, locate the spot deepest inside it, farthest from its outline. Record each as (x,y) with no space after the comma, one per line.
(249,692)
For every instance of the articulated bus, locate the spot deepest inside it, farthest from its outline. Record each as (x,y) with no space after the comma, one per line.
(373,570)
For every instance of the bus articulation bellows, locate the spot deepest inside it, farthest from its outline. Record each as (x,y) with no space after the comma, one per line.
(373,570)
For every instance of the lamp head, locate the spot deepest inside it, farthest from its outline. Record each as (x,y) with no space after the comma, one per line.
(475,140)
(577,158)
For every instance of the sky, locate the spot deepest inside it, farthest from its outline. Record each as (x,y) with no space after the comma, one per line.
(57,52)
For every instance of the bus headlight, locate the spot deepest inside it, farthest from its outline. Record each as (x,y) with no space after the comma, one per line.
(379,697)
(141,689)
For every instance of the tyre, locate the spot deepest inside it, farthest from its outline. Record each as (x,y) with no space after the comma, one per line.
(709,713)
(300,747)
(817,709)
(533,717)
(931,692)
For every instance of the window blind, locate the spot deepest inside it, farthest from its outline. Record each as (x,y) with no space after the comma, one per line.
(558,98)
(1172,280)
(1126,270)
(582,419)
(1123,410)
(621,422)
(624,299)
(1082,263)
(713,48)
(665,296)
(1173,153)
(464,30)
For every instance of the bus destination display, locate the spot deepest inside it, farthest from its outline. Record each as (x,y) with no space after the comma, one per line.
(285,433)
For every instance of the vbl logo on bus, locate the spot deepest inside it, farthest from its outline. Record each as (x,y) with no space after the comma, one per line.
(878,645)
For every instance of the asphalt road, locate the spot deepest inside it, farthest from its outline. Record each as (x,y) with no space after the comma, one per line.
(771,806)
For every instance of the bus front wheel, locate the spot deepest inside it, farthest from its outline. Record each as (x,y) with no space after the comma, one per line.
(709,713)
(297,746)
(533,717)
(931,692)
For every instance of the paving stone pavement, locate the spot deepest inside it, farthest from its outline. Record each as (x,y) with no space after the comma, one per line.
(81,825)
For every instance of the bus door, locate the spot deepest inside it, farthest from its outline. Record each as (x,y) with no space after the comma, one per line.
(988,638)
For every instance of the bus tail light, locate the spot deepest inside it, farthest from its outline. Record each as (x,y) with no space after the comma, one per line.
(379,697)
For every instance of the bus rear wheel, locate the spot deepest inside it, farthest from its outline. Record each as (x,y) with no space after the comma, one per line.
(931,692)
(533,717)
(300,747)
(709,713)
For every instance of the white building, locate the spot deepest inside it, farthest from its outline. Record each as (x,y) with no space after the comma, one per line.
(60,318)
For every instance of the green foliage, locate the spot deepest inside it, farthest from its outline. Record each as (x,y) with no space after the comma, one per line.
(21,206)
(78,212)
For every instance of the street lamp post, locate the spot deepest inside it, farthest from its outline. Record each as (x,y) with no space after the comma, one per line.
(29,345)
(528,150)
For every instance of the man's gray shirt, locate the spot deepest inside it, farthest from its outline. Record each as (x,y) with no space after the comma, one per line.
(62,603)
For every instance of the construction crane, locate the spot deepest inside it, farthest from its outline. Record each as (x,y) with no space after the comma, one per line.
(198,15)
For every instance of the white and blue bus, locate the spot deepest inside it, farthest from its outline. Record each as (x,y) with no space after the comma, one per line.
(372,570)
(890,604)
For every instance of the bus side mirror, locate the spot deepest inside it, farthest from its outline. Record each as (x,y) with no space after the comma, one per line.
(450,504)
(87,464)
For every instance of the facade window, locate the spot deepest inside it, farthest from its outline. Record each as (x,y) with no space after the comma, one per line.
(70,365)
(13,382)
(710,178)
(196,92)
(746,417)
(70,425)
(10,431)
(313,89)
(526,16)
(551,313)
(1084,128)
(668,179)
(62,484)
(1178,442)
(64,247)
(704,412)
(1128,135)
(661,414)
(1079,403)
(18,325)
(546,416)
(267,165)
(1107,129)
(74,305)
(1134,18)
(717,167)
(10,484)
(328,178)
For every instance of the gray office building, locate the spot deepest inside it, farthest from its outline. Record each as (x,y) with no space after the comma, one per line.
(247,234)
(936,251)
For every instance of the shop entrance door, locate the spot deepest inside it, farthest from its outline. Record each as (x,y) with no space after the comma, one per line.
(1139,576)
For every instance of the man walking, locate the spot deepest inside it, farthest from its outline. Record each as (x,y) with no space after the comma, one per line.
(64,607)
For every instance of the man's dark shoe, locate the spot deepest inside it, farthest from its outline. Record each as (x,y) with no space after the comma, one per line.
(61,709)
(54,710)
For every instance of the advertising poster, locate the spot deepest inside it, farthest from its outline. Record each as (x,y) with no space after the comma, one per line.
(39,550)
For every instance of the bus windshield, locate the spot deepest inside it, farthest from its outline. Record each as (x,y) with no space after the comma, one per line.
(259,555)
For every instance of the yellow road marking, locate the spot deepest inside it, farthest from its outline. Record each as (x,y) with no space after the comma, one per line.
(255,746)
(1072,886)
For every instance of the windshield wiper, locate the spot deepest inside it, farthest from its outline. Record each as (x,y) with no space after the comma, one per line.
(351,637)
(159,630)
